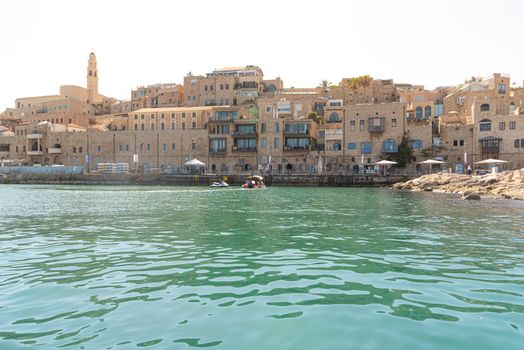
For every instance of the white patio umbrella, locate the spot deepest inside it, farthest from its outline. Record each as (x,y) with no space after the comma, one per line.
(195,162)
(385,163)
(431,162)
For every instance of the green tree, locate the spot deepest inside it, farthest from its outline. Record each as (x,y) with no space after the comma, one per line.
(404,152)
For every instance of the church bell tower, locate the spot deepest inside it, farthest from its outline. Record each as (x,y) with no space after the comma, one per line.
(92,79)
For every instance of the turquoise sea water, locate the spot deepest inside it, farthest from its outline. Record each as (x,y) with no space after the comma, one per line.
(281,268)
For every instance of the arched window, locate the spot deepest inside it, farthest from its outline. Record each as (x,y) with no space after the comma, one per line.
(427,112)
(418,113)
(485,125)
(334,118)
(484,107)
(336,146)
(389,146)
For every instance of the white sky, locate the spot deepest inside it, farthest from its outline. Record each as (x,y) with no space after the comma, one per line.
(45,44)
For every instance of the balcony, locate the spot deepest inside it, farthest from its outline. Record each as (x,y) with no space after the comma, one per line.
(244,134)
(217,151)
(34,153)
(296,148)
(54,150)
(377,124)
(244,149)
(294,132)
(35,135)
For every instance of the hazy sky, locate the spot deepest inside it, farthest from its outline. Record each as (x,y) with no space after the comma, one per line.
(46,43)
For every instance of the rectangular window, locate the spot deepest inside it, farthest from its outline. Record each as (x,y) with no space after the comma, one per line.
(120,148)
(136,127)
(366,147)
(127,148)
(99,148)
(173,126)
(149,147)
(502,125)
(163,126)
(277,143)
(269,109)
(142,127)
(193,125)
(352,146)
(516,143)
(362,125)
(183,115)
(263,128)
(461,143)
(502,89)
(393,122)
(164,147)
(217,145)
(512,125)
(194,115)
(455,143)
(352,125)
(277,127)
(263,143)
(227,86)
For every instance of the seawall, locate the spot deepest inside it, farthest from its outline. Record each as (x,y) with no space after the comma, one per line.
(200,180)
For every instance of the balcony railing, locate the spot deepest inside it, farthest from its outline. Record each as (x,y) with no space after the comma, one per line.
(217,151)
(239,133)
(34,153)
(244,149)
(296,132)
(297,148)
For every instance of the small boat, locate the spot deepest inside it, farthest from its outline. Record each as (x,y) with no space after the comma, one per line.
(255,181)
(219,184)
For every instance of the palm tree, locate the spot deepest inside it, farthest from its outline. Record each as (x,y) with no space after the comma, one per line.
(324,85)
(365,82)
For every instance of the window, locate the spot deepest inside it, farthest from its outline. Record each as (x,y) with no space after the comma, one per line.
(173,126)
(362,125)
(74,149)
(80,149)
(277,143)
(427,112)
(389,146)
(136,127)
(334,118)
(418,113)
(416,144)
(120,148)
(277,127)
(269,109)
(461,142)
(393,122)
(352,125)
(162,116)
(183,115)
(337,146)
(502,125)
(127,148)
(485,125)
(516,143)
(164,147)
(183,125)
(194,115)
(173,115)
(221,86)
(162,126)
(502,89)
(173,146)
(193,145)
(217,145)
(484,107)
(352,146)
(263,128)
(99,148)
(142,126)
(512,125)
(455,143)
(205,88)
(211,87)
(263,143)
(149,147)
(193,124)
(227,86)
(141,147)
(366,147)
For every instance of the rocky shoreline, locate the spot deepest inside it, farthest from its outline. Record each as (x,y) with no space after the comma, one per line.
(507,184)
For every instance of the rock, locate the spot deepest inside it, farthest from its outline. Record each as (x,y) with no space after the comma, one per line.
(471,196)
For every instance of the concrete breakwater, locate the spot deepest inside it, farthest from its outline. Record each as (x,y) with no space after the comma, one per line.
(507,184)
(202,180)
